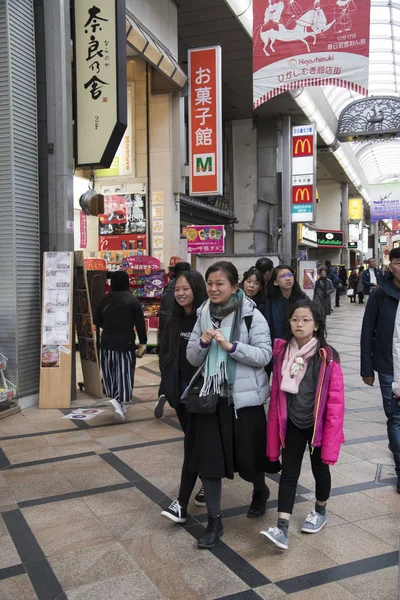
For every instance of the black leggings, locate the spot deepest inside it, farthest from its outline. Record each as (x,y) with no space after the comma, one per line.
(292,458)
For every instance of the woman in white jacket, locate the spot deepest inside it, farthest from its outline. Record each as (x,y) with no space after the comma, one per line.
(231,340)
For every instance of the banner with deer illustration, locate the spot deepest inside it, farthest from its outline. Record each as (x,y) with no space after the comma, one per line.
(303,43)
(385,202)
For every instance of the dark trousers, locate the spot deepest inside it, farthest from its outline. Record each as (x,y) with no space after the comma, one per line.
(182,415)
(188,477)
(118,370)
(337,296)
(360,297)
(292,458)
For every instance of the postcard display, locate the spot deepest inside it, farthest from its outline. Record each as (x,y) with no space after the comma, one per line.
(85,330)
(57,336)
(147,281)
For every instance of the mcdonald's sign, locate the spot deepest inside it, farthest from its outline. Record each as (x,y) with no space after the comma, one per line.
(303,145)
(302,194)
(303,149)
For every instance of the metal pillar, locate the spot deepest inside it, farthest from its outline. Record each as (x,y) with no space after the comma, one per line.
(286,169)
(58,53)
(345,222)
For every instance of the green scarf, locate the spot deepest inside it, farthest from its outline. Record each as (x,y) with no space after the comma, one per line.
(220,367)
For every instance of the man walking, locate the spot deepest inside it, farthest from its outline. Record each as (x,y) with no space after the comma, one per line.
(371,277)
(377,346)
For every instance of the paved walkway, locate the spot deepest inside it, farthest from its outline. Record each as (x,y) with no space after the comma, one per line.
(81,502)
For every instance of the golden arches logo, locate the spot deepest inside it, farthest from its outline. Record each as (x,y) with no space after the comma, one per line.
(303,144)
(302,195)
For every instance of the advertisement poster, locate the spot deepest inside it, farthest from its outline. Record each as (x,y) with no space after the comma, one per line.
(303,43)
(56,317)
(355,209)
(205,239)
(308,279)
(205,121)
(304,144)
(385,202)
(123,224)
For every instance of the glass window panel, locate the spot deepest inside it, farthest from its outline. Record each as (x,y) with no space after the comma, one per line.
(381,13)
(379,29)
(381,44)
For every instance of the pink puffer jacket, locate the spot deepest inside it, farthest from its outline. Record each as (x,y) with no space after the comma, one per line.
(328,411)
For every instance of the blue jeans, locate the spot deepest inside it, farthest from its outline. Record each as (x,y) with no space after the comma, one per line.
(392,411)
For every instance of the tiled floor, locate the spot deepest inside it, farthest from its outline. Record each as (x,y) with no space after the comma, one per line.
(80,508)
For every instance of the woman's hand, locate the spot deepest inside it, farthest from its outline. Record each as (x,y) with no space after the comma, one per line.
(207,336)
(222,341)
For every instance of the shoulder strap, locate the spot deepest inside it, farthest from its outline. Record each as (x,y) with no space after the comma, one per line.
(248,320)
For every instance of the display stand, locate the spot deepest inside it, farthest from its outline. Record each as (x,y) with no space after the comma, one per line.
(147,282)
(56,337)
(85,330)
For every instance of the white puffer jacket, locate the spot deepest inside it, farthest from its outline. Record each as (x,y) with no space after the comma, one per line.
(253,353)
(396,354)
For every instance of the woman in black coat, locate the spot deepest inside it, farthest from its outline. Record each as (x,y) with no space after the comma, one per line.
(253,285)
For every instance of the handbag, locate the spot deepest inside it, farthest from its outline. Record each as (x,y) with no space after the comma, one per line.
(350,292)
(200,405)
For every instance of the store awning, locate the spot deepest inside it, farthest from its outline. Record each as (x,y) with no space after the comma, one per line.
(145,44)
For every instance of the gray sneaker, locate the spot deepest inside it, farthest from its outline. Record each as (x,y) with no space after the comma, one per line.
(276,537)
(159,409)
(314,522)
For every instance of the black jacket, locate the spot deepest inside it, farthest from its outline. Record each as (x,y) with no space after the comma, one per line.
(166,306)
(118,322)
(378,327)
(276,313)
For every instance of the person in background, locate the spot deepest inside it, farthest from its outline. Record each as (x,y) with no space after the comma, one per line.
(282,291)
(166,306)
(176,371)
(306,407)
(266,266)
(371,277)
(118,314)
(231,341)
(254,287)
(353,283)
(377,349)
(343,276)
(360,286)
(333,274)
(323,291)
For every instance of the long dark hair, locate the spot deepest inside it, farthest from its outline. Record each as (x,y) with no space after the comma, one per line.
(260,297)
(273,291)
(320,322)
(198,287)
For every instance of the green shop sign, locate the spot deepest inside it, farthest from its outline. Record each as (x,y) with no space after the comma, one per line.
(330,239)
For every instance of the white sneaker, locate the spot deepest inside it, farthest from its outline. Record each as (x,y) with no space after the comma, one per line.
(119,414)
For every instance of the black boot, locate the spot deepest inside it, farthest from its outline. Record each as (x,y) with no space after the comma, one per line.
(257,506)
(214,530)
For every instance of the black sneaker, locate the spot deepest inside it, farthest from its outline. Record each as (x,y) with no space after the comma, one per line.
(159,409)
(257,506)
(214,531)
(199,498)
(175,512)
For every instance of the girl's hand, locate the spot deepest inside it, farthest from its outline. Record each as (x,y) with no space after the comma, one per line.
(222,341)
(207,336)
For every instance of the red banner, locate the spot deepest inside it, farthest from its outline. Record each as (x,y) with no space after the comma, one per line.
(205,121)
(303,43)
(129,241)
(83,230)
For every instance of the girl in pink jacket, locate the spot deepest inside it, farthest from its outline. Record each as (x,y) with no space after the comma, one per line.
(306,406)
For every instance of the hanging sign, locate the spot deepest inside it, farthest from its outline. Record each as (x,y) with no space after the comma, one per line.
(205,121)
(100,80)
(205,239)
(330,239)
(304,145)
(355,209)
(385,202)
(304,43)
(83,229)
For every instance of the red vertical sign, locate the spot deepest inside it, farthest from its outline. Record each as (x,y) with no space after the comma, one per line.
(205,121)
(83,230)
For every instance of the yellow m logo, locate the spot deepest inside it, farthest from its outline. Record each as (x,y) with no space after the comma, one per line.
(303,145)
(302,195)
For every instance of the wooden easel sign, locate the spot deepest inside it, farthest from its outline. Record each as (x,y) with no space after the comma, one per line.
(56,335)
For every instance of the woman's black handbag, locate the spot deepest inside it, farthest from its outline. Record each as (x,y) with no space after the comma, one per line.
(201,405)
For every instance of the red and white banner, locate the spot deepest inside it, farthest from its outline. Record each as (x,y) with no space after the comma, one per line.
(303,43)
(83,229)
(205,121)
